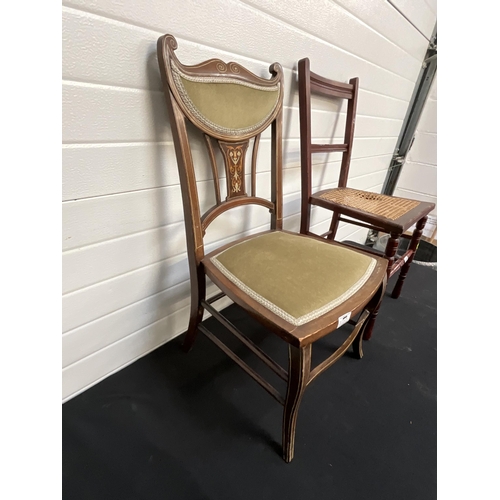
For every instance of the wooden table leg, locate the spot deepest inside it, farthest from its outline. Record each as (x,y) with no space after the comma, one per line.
(415,239)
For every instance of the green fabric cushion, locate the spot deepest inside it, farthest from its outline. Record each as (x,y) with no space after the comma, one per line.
(297,278)
(229,105)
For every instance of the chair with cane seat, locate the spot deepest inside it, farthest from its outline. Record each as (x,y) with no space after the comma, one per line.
(299,287)
(387,214)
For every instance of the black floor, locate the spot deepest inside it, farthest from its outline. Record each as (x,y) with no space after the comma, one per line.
(195,426)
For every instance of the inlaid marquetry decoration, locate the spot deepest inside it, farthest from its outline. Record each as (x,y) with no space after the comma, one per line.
(234,159)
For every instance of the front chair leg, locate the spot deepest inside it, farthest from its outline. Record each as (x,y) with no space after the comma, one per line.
(299,367)
(373,307)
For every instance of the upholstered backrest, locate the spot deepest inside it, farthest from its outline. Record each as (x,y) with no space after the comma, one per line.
(225,105)
(224,100)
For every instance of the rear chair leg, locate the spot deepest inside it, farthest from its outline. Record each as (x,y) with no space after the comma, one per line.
(334,225)
(198,290)
(299,367)
(194,321)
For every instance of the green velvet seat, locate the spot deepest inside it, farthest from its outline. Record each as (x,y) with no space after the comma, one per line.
(299,279)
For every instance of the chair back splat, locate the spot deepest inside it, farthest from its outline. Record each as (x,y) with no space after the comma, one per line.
(298,287)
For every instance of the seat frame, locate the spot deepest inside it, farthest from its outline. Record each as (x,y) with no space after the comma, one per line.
(363,305)
(311,82)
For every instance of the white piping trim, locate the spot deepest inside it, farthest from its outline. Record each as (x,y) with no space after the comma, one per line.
(177,74)
(280,312)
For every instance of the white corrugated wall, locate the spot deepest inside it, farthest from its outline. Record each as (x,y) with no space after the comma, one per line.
(125,274)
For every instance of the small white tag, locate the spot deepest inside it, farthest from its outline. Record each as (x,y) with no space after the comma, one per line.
(344,319)
(405,259)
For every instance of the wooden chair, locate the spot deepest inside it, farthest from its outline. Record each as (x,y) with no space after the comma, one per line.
(387,214)
(272,275)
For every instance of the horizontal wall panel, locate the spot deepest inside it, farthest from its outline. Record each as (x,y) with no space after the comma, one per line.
(419,177)
(111,51)
(100,50)
(91,369)
(98,334)
(382,17)
(94,220)
(106,296)
(341,29)
(100,169)
(126,48)
(418,13)
(432,4)
(96,263)
(93,113)
(103,169)
(280,41)
(101,114)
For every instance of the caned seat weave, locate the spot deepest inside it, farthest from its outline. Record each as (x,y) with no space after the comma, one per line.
(389,207)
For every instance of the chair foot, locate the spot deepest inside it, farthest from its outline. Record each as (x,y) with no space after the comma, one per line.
(397,290)
(299,363)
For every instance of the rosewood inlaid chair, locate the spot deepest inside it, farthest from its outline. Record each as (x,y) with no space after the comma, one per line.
(299,287)
(387,214)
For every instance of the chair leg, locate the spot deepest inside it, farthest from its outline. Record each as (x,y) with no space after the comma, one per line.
(357,345)
(198,290)
(334,225)
(415,240)
(305,216)
(374,307)
(390,251)
(299,367)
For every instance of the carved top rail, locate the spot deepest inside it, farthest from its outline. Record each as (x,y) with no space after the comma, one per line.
(224,100)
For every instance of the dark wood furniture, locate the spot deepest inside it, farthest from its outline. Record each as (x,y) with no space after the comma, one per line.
(280,278)
(387,214)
